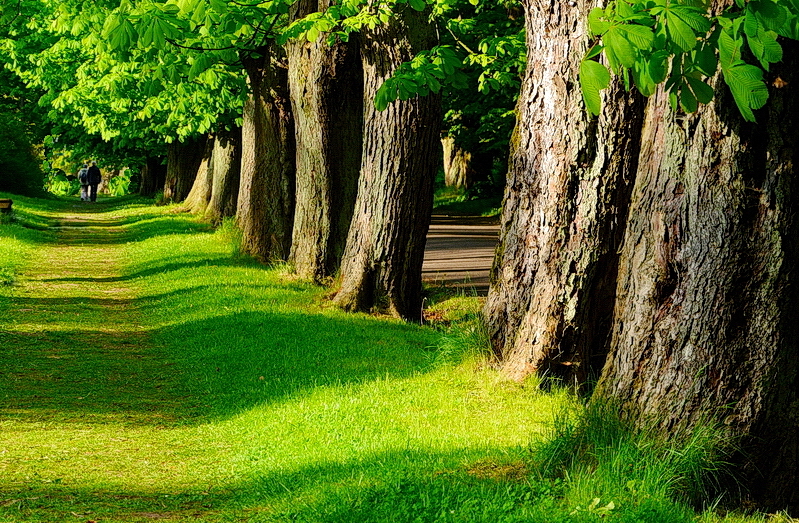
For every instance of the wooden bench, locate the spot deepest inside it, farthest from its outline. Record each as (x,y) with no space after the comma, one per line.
(5,204)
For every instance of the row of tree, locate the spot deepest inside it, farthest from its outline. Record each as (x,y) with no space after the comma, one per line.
(649,249)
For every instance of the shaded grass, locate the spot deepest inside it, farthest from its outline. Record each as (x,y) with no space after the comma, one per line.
(153,373)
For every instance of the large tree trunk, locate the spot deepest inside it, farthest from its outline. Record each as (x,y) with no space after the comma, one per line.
(200,193)
(153,176)
(327,102)
(707,318)
(266,190)
(183,163)
(551,299)
(227,168)
(382,264)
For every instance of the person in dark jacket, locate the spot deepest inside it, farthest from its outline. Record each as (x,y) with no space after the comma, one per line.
(95,177)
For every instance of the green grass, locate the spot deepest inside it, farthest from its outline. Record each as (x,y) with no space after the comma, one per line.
(151,372)
(457,202)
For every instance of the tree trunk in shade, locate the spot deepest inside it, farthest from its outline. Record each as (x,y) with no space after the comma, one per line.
(227,168)
(326,86)
(182,164)
(266,189)
(153,176)
(549,308)
(200,193)
(457,164)
(707,317)
(382,264)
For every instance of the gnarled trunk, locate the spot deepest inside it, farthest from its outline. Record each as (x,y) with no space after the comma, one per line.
(707,318)
(200,193)
(382,264)
(182,164)
(227,169)
(327,102)
(266,189)
(551,299)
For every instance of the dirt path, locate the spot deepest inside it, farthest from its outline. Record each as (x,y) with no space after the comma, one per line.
(459,252)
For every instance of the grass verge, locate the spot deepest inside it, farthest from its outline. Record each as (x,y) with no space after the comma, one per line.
(151,372)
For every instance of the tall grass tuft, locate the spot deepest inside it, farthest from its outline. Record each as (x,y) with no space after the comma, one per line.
(611,465)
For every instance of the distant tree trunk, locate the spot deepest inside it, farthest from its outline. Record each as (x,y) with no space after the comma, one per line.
(266,190)
(327,102)
(227,168)
(707,318)
(382,263)
(549,308)
(183,162)
(200,193)
(457,164)
(153,176)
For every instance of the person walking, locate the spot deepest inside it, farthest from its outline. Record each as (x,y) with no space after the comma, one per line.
(83,178)
(95,177)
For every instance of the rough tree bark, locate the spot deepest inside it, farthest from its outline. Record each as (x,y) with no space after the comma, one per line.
(382,263)
(551,299)
(266,189)
(707,318)
(183,163)
(326,86)
(200,192)
(227,168)
(153,176)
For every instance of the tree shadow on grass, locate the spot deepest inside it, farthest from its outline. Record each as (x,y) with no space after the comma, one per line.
(226,364)
(402,486)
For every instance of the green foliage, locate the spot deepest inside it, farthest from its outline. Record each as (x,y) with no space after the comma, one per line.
(681,43)
(119,185)
(20,170)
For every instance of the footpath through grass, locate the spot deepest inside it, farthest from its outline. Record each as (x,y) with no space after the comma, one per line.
(148,372)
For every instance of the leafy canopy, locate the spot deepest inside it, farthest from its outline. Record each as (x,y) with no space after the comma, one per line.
(681,43)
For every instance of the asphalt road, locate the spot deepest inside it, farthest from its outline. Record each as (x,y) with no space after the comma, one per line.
(459,252)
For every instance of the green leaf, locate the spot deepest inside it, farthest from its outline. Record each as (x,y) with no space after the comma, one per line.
(729,48)
(597,23)
(639,35)
(619,47)
(747,87)
(705,59)
(418,5)
(702,91)
(593,78)
(680,32)
(772,15)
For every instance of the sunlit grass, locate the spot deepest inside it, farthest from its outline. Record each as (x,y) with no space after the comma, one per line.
(150,372)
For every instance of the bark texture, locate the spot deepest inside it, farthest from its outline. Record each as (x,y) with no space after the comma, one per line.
(708,312)
(326,86)
(227,174)
(200,193)
(266,189)
(183,163)
(549,308)
(153,176)
(382,264)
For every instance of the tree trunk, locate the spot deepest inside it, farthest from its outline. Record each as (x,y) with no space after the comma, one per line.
(382,264)
(153,176)
(707,318)
(457,164)
(550,304)
(266,190)
(327,102)
(200,193)
(183,163)
(227,169)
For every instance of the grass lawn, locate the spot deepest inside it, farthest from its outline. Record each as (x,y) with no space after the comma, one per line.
(148,372)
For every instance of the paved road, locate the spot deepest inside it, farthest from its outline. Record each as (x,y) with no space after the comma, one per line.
(459,252)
